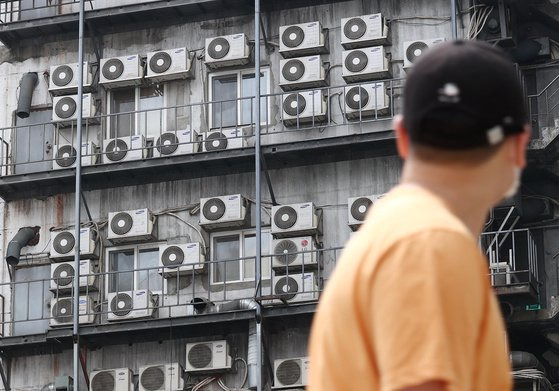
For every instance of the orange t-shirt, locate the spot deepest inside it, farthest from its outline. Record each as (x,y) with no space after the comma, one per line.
(409,302)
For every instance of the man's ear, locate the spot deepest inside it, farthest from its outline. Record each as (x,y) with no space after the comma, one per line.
(520,144)
(402,138)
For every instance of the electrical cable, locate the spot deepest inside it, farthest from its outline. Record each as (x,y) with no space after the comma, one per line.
(190,225)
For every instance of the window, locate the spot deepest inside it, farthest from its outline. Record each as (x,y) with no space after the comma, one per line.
(125,263)
(137,105)
(34,138)
(233,93)
(31,298)
(238,251)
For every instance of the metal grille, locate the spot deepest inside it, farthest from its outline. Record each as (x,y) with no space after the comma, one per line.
(64,242)
(286,288)
(294,104)
(355,28)
(360,207)
(122,223)
(121,304)
(213,209)
(116,150)
(289,372)
(218,48)
(113,69)
(357,98)
(103,381)
(200,355)
(160,62)
(63,274)
(286,251)
(172,256)
(215,141)
(62,310)
(293,70)
(62,75)
(167,143)
(66,155)
(153,379)
(356,61)
(285,217)
(415,50)
(293,36)
(65,107)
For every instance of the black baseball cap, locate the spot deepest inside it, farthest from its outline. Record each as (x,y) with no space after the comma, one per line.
(462,95)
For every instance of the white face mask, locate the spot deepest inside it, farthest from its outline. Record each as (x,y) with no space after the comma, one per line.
(515,183)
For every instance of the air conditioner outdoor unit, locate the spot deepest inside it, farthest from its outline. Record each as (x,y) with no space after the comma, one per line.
(64,78)
(302,72)
(227,50)
(292,253)
(124,149)
(291,372)
(131,225)
(62,244)
(304,107)
(295,220)
(61,310)
(222,212)
(64,108)
(219,140)
(162,377)
(364,30)
(65,155)
(181,142)
(302,39)
(295,287)
(120,379)
(62,276)
(414,49)
(210,356)
(365,64)
(179,259)
(121,71)
(366,100)
(130,305)
(357,209)
(169,64)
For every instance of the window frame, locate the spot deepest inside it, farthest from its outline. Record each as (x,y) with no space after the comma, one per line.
(242,233)
(137,248)
(239,73)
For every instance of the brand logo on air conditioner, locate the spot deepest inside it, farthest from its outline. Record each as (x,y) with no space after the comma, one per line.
(179,50)
(375,16)
(313,58)
(82,301)
(312,24)
(131,58)
(375,49)
(134,138)
(232,198)
(193,245)
(304,206)
(237,36)
(141,293)
(140,212)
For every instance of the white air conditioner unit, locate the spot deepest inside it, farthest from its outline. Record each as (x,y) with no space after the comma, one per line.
(62,276)
(62,244)
(219,140)
(295,287)
(62,308)
(120,379)
(131,225)
(364,30)
(170,64)
(65,155)
(366,100)
(414,49)
(124,149)
(365,64)
(130,305)
(162,377)
(64,78)
(121,71)
(64,108)
(292,253)
(181,142)
(302,39)
(222,212)
(302,72)
(210,356)
(500,273)
(294,220)
(304,107)
(357,209)
(291,372)
(179,259)
(227,50)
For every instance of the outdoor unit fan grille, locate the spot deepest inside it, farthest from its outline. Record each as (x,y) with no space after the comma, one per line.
(153,379)
(103,381)
(289,372)
(160,62)
(218,48)
(355,28)
(167,143)
(214,209)
(63,274)
(65,107)
(172,256)
(64,242)
(357,98)
(293,36)
(200,356)
(286,288)
(116,150)
(66,156)
(285,217)
(62,310)
(62,75)
(360,207)
(121,223)
(356,61)
(113,69)
(293,70)
(294,104)
(121,304)
(415,50)
(216,141)
(286,252)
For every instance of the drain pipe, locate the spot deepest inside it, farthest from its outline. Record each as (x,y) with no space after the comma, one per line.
(22,238)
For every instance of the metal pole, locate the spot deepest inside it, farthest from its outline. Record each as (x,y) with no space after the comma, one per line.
(77,205)
(258,212)
(453,25)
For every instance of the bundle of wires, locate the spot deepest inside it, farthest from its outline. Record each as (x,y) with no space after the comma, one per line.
(199,386)
(478,20)
(533,375)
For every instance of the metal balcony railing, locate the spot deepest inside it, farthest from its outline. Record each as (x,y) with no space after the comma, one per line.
(542,95)
(35,305)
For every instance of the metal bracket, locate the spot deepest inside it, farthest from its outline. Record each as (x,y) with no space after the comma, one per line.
(86,207)
(4,374)
(268,180)
(97,48)
(269,48)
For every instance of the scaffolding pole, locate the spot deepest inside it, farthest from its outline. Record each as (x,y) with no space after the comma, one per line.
(453,25)
(77,206)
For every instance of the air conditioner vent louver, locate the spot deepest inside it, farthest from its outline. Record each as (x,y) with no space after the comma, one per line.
(357,98)
(285,217)
(285,252)
(286,287)
(64,242)
(200,356)
(63,274)
(153,379)
(122,304)
(293,70)
(294,104)
(355,28)
(289,373)
(356,61)
(62,310)
(116,150)
(122,223)
(66,155)
(415,50)
(62,75)
(214,209)
(293,36)
(360,207)
(160,62)
(65,107)
(218,48)
(172,256)
(103,381)
(215,141)
(167,143)
(113,69)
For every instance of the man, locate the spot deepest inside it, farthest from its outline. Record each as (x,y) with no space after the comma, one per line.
(410,306)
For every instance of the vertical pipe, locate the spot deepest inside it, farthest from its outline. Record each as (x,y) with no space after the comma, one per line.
(453,25)
(258,212)
(77,204)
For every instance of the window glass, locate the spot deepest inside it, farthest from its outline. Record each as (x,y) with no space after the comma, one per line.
(224,93)
(123,101)
(149,279)
(226,248)
(123,263)
(248,89)
(33,143)
(250,251)
(151,121)
(31,298)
